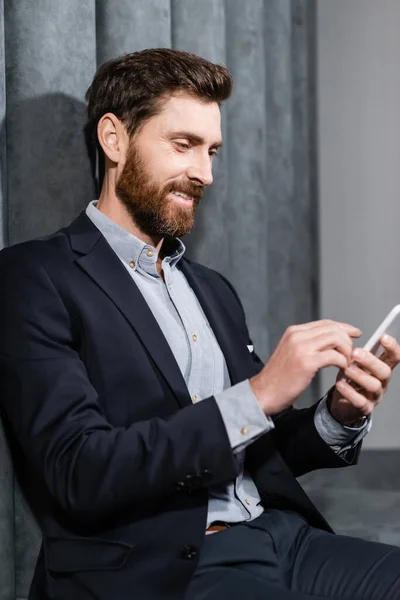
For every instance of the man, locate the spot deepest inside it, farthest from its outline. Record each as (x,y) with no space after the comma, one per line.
(164,452)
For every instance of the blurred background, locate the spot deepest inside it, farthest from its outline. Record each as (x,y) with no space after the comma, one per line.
(303,216)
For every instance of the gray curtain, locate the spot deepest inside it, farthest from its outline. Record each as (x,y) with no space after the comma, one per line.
(257,225)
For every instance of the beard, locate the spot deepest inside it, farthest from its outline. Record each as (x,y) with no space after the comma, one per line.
(147,203)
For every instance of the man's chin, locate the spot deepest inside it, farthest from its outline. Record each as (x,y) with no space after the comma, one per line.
(179,221)
(176,231)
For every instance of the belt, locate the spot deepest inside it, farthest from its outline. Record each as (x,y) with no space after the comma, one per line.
(218,526)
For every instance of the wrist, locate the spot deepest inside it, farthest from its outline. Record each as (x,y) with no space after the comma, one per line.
(263,397)
(345,415)
(356,424)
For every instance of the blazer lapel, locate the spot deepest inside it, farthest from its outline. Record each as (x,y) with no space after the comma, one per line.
(105,268)
(230,339)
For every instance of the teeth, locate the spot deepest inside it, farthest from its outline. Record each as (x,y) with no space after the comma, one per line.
(182,195)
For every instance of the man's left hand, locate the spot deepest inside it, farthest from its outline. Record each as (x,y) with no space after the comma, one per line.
(369,379)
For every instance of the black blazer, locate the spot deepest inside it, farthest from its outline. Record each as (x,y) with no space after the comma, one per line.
(111,444)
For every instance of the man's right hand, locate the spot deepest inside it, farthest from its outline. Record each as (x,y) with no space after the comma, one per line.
(301,353)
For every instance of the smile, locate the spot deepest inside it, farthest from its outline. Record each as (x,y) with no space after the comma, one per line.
(182,198)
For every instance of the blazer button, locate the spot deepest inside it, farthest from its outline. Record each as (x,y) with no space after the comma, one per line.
(180,486)
(198,480)
(188,552)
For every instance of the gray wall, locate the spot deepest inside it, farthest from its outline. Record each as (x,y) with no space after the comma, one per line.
(359,174)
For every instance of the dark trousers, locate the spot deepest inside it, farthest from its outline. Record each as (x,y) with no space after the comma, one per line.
(278,556)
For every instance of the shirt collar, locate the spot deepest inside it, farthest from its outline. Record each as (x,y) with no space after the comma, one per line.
(130,249)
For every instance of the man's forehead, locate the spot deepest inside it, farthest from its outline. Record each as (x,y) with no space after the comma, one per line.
(187,102)
(185,113)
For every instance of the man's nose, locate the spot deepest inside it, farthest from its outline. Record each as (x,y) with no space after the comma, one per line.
(201,171)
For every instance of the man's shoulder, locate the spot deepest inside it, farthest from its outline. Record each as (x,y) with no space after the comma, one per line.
(49,249)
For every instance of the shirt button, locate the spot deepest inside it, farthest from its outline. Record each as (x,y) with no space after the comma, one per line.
(150,253)
(246,501)
(194,398)
(244,431)
(132,264)
(194,337)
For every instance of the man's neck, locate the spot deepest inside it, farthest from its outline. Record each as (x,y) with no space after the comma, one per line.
(112,207)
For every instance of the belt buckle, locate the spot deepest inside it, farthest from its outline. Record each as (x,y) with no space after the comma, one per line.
(217,526)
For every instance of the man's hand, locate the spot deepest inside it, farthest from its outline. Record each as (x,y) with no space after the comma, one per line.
(369,377)
(301,353)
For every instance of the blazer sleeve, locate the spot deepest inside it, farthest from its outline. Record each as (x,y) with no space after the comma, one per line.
(90,467)
(294,433)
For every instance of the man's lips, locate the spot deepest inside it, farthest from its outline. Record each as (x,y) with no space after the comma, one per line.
(182,198)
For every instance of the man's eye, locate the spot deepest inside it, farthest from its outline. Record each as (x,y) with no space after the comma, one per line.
(182,145)
(213,153)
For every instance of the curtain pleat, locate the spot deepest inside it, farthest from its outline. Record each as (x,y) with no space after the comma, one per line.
(304,202)
(50,58)
(3,143)
(27,540)
(246,230)
(7,542)
(290,173)
(7,522)
(131,25)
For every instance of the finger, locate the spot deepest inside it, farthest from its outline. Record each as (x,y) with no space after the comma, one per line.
(391,355)
(364,381)
(352,331)
(327,323)
(340,374)
(334,339)
(325,336)
(356,399)
(374,365)
(330,358)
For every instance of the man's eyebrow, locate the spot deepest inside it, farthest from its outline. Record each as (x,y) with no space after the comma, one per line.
(194,138)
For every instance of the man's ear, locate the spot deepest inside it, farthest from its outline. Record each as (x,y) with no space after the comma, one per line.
(112,137)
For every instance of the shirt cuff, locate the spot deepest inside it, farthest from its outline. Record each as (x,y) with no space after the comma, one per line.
(339,437)
(242,415)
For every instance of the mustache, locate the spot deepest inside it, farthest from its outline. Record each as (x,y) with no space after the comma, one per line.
(190,189)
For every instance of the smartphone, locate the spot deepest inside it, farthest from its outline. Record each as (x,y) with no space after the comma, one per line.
(390,325)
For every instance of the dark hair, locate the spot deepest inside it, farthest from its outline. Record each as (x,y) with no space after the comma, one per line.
(134,86)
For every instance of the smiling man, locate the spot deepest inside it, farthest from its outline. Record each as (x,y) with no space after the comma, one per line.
(163,451)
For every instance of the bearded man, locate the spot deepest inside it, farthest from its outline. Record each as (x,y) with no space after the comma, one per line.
(164,451)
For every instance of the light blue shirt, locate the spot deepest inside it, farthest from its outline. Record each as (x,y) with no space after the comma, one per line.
(202,364)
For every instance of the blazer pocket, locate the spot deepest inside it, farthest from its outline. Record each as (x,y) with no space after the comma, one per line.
(85,554)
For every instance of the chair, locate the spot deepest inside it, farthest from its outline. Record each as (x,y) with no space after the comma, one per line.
(19,533)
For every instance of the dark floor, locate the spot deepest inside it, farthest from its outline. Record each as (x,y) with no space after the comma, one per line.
(362,501)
